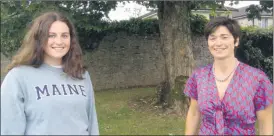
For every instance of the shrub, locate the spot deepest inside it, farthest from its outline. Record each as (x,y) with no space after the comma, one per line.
(256,49)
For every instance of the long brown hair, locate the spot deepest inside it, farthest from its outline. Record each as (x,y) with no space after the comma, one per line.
(31,51)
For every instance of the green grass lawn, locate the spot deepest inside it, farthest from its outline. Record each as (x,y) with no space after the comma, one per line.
(120,112)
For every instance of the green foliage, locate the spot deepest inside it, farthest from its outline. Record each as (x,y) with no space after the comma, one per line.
(13,24)
(151,26)
(135,26)
(198,23)
(16,15)
(267,6)
(90,39)
(256,49)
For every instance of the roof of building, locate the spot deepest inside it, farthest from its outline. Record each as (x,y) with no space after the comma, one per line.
(219,9)
(242,13)
(149,14)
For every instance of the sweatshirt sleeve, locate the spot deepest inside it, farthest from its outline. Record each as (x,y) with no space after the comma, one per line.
(93,122)
(13,119)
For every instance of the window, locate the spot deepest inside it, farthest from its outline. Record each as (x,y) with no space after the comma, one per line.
(264,23)
(259,22)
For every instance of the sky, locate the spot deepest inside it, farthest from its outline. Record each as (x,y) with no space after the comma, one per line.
(131,9)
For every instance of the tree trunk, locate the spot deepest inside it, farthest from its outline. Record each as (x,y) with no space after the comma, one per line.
(175,36)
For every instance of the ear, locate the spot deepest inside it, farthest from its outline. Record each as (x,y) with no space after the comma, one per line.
(237,42)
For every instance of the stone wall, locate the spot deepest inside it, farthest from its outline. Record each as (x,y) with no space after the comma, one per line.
(123,61)
(200,50)
(126,61)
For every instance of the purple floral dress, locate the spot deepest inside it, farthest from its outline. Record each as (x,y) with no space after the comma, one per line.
(249,91)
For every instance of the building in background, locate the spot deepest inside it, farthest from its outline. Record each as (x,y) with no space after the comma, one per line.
(241,16)
(226,11)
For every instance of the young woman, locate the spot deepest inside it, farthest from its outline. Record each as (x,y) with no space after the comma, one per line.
(228,96)
(47,90)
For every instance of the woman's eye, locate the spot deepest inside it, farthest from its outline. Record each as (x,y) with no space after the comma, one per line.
(51,36)
(65,36)
(212,38)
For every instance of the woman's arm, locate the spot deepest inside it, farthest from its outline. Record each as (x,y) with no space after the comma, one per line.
(193,118)
(93,121)
(13,119)
(263,105)
(265,121)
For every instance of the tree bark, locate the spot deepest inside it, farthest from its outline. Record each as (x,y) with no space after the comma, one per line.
(175,36)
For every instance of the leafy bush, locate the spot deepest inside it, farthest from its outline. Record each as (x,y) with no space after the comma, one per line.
(198,23)
(256,49)
(135,26)
(90,38)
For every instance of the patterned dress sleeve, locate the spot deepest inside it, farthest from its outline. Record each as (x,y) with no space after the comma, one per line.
(264,93)
(191,87)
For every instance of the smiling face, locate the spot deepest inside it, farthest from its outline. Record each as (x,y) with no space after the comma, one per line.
(58,43)
(221,43)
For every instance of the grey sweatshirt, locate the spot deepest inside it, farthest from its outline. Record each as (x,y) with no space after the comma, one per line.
(45,101)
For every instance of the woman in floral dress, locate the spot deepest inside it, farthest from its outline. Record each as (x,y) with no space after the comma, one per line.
(228,96)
